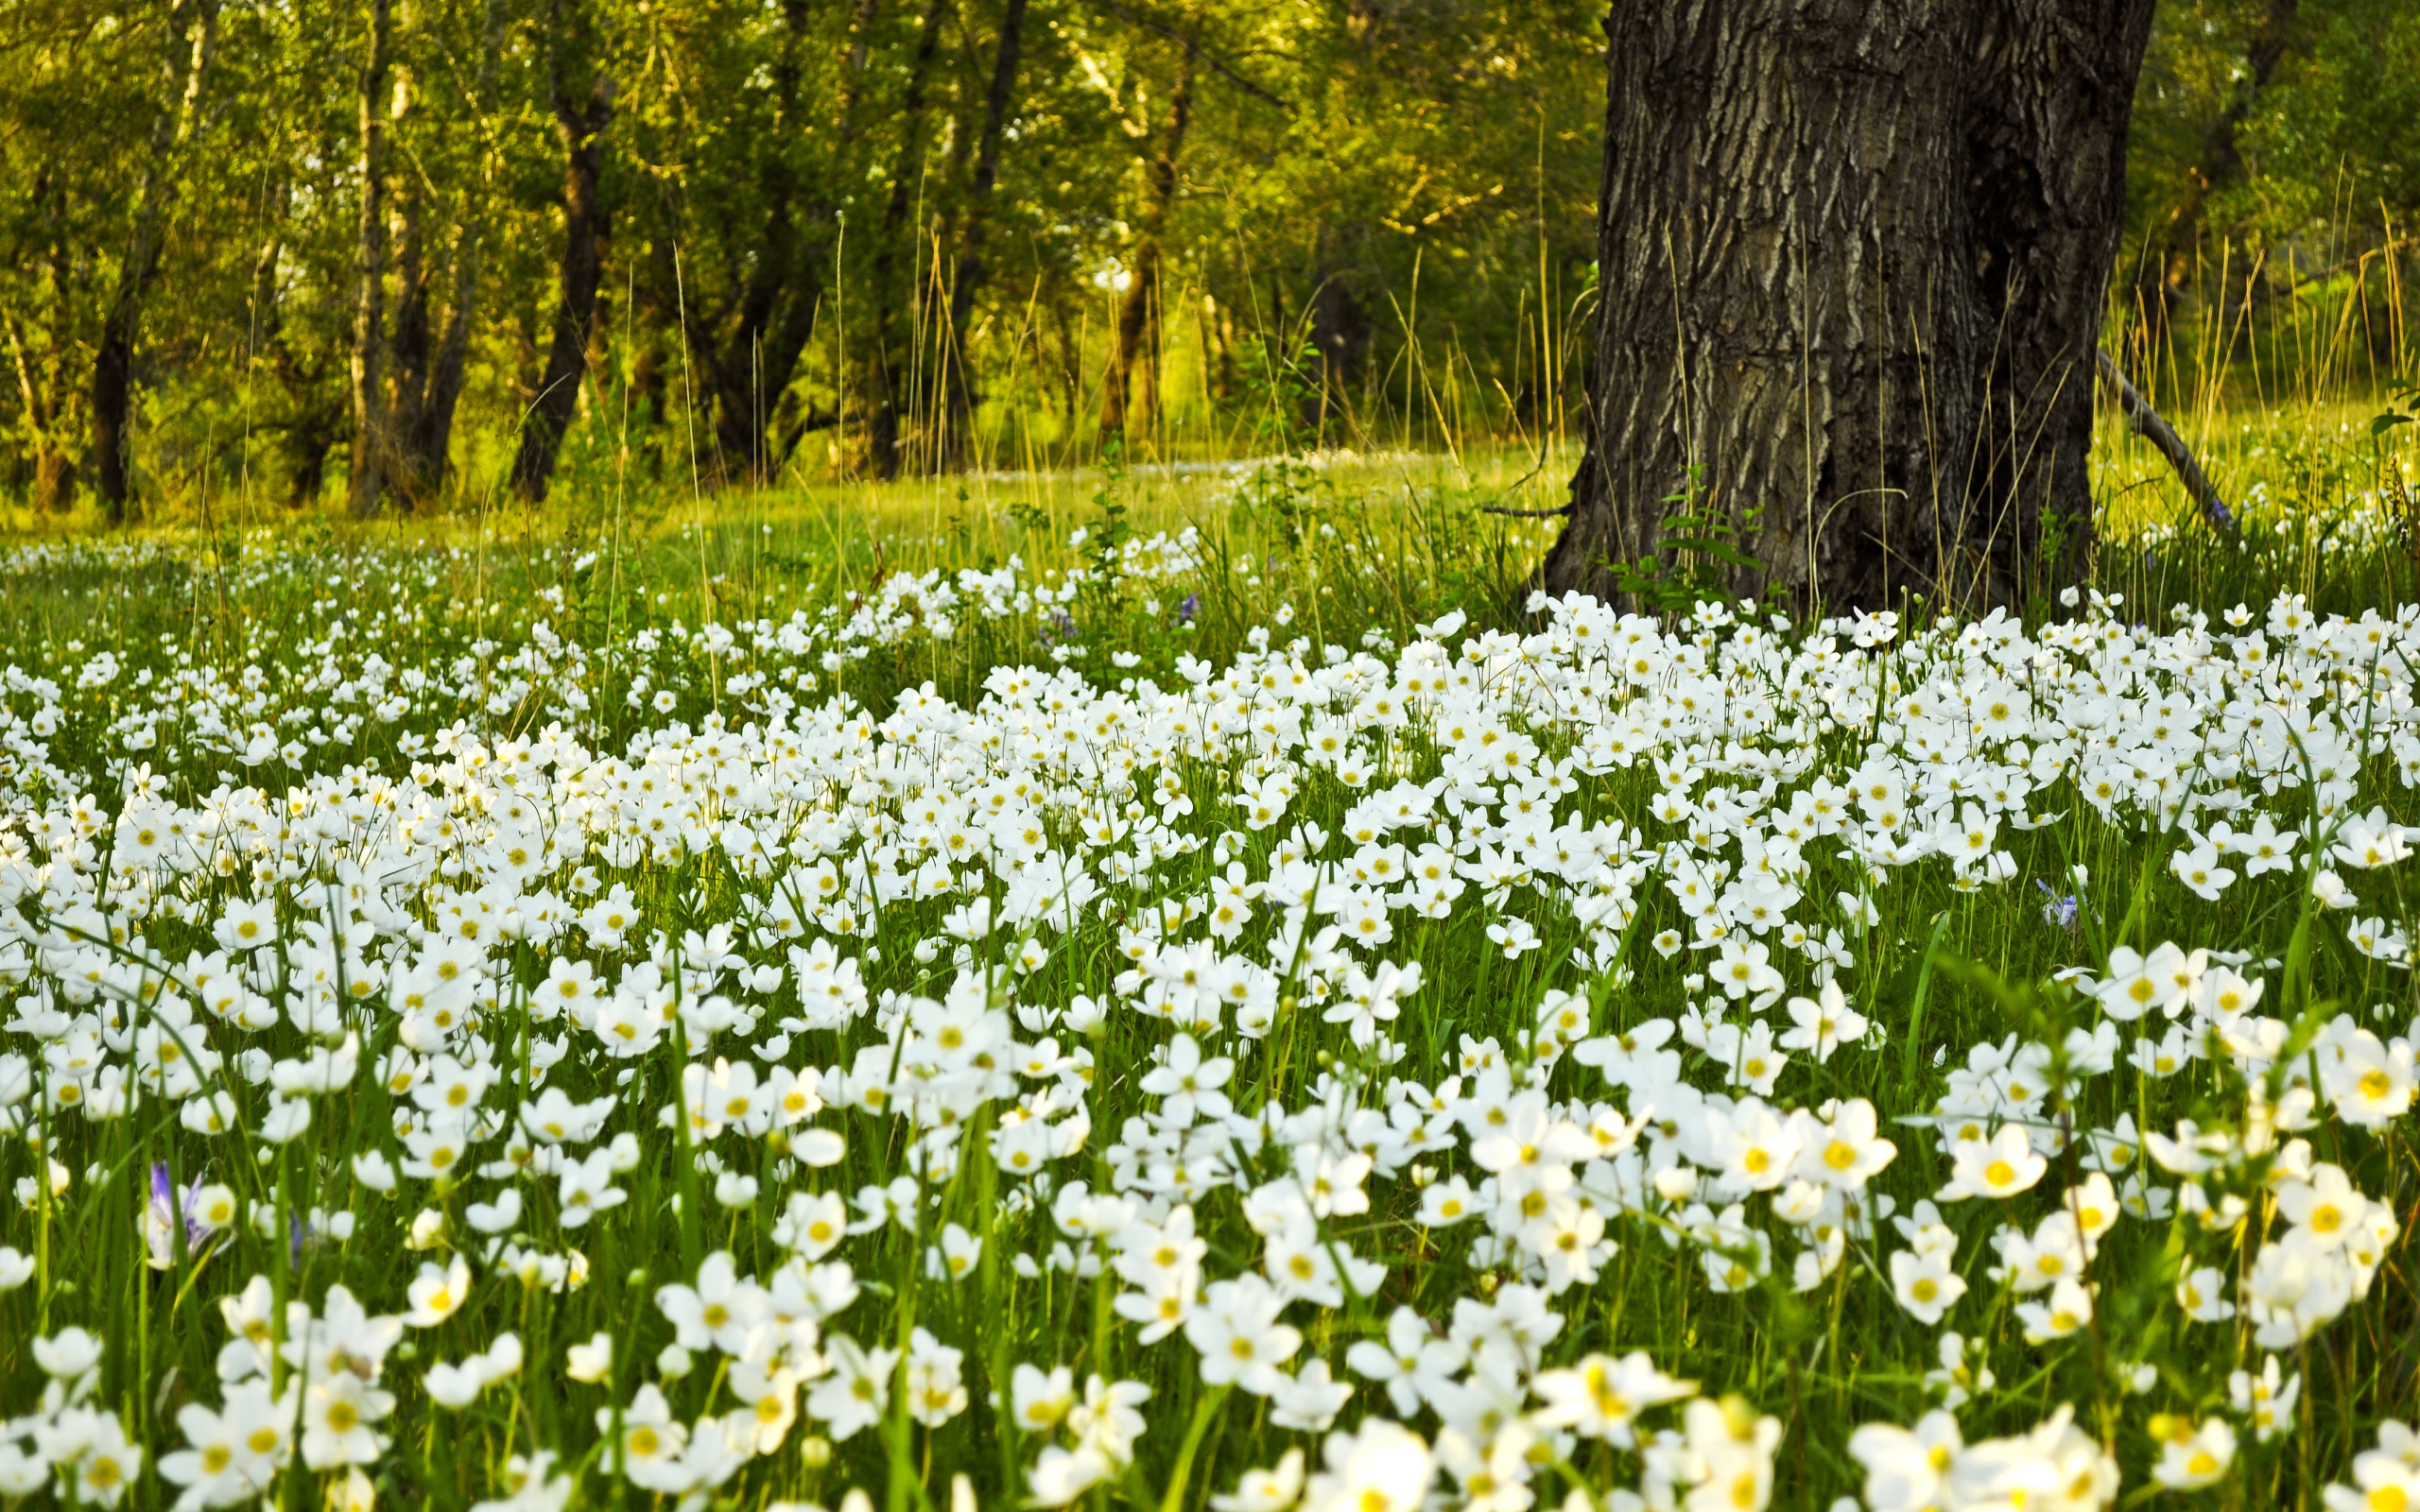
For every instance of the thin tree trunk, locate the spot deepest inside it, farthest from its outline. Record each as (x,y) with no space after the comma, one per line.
(368,362)
(749,349)
(41,375)
(2167,263)
(579,124)
(316,407)
(54,478)
(1141,302)
(409,349)
(426,444)
(1851,263)
(189,59)
(966,279)
(54,471)
(892,356)
(1340,333)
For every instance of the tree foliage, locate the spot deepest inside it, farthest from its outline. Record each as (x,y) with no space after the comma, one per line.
(842,235)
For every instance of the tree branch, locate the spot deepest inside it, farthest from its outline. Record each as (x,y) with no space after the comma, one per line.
(1524,514)
(1218,66)
(2151,427)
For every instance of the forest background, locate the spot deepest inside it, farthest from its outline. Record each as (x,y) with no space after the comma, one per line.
(399,256)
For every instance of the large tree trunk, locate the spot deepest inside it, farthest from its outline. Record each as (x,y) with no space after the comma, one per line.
(188,68)
(580,123)
(369,276)
(1137,311)
(966,279)
(893,354)
(1852,261)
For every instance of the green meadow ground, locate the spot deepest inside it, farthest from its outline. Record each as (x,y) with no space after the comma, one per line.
(328,731)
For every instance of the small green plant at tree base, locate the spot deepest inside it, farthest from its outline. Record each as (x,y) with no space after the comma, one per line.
(2386,459)
(1701,549)
(1102,544)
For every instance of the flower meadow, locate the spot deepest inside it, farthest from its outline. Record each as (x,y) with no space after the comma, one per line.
(1594,1062)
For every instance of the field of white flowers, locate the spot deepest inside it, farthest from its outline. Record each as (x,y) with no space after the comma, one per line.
(471,1061)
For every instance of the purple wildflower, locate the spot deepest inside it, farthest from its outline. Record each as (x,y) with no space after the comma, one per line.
(158,1220)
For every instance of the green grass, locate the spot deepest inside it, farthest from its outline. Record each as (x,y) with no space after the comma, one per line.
(1945,964)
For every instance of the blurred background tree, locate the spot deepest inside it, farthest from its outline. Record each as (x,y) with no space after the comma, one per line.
(427,254)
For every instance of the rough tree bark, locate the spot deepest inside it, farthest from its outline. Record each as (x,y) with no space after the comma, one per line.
(580,119)
(190,48)
(1852,261)
(1137,311)
(369,275)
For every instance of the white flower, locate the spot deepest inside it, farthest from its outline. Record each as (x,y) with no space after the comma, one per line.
(1734,1447)
(2192,1456)
(2202,1294)
(1238,1336)
(1926,1283)
(1309,1401)
(1907,1469)
(1379,1467)
(108,1464)
(1270,1490)
(2265,1402)
(69,1355)
(856,1392)
(1189,1083)
(1846,1153)
(591,1362)
(337,1412)
(2002,1166)
(813,1224)
(2069,1309)
(498,1216)
(1042,1402)
(231,1454)
(436,1294)
(1414,1363)
(1824,1023)
(1602,1397)
(935,1391)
